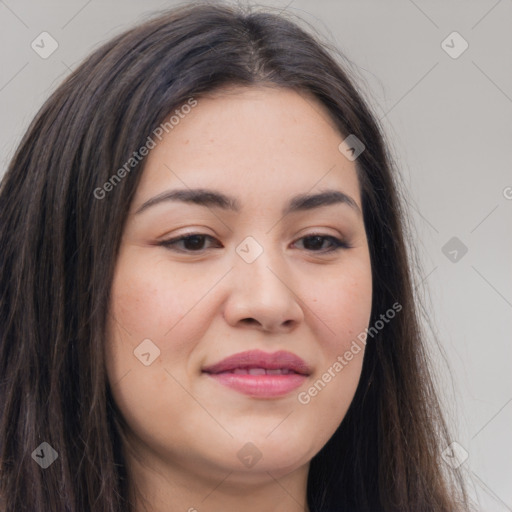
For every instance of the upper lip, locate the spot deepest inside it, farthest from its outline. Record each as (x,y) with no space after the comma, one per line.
(259,359)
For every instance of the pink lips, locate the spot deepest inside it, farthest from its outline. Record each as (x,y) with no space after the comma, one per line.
(259,374)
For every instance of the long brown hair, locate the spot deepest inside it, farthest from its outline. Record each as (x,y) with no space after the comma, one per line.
(59,244)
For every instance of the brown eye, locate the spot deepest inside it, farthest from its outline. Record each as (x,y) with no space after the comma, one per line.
(195,242)
(315,243)
(191,243)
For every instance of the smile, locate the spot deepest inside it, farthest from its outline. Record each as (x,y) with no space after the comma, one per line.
(259,374)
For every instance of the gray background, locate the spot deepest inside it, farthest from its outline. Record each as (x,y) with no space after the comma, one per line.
(448,121)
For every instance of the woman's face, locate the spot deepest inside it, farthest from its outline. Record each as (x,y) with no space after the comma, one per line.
(262,277)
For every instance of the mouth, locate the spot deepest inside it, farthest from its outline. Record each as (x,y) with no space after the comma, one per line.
(259,374)
(257,371)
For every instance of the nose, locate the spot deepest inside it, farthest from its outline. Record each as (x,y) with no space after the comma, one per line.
(263,295)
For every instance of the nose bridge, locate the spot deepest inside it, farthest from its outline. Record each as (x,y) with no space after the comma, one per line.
(262,289)
(258,263)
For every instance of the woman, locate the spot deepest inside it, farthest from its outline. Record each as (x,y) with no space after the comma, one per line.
(269,356)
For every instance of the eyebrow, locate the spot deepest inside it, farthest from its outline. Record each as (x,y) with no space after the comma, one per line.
(214,199)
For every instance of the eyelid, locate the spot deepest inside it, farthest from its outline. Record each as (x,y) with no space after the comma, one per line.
(337,243)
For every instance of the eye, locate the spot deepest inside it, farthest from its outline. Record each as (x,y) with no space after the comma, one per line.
(317,240)
(195,242)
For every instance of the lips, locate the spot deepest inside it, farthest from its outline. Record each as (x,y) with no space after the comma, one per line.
(259,374)
(256,362)
(259,371)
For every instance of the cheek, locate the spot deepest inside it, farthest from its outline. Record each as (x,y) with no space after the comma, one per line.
(151,302)
(342,304)
(173,307)
(342,308)
(144,300)
(143,306)
(146,303)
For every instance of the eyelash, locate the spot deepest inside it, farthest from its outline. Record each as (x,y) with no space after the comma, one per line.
(338,244)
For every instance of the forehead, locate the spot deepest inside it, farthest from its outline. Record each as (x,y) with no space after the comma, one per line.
(252,141)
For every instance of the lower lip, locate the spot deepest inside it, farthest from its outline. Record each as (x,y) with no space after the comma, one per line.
(262,386)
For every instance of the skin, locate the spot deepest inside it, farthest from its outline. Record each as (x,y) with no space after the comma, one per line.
(262,145)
